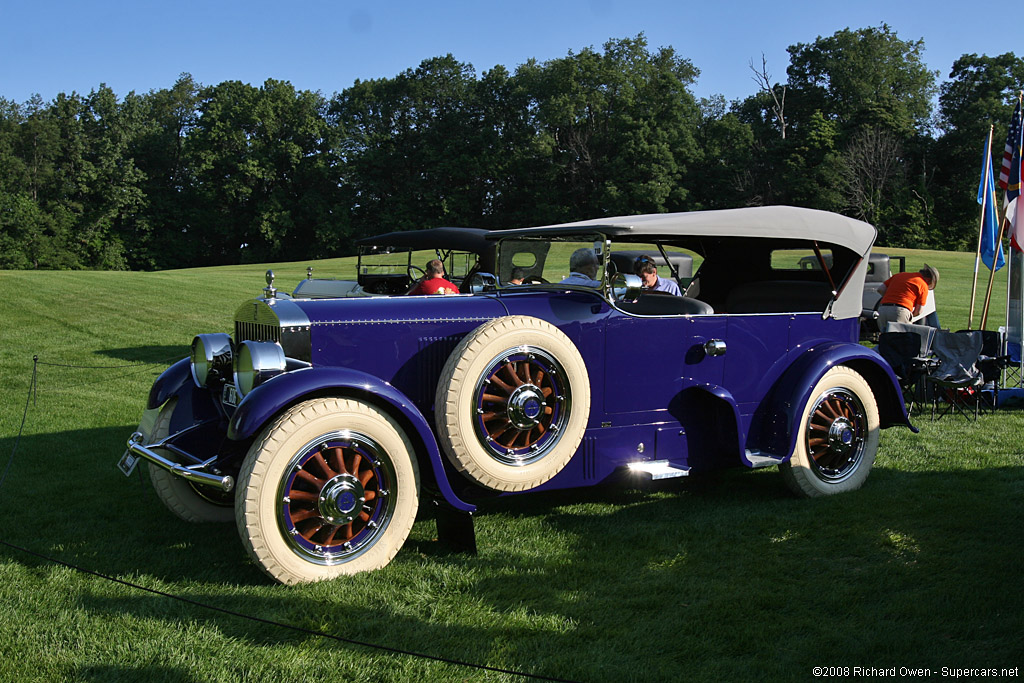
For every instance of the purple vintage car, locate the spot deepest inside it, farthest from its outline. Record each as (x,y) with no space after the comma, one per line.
(324,421)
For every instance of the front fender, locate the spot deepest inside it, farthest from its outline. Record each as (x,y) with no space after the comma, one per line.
(194,405)
(267,400)
(170,382)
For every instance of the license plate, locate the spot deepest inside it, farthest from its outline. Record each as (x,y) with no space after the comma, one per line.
(127,463)
(230,395)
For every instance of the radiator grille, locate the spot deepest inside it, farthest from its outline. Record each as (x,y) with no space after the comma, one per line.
(245,331)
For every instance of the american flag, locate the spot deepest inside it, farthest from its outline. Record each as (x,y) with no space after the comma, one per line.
(1009,174)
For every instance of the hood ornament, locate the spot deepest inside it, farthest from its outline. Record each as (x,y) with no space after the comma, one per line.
(269,292)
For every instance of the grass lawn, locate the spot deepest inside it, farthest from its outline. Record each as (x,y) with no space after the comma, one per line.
(726,577)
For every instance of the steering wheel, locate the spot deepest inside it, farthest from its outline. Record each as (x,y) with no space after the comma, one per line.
(412,270)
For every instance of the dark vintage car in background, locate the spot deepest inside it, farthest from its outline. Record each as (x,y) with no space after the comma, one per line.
(327,417)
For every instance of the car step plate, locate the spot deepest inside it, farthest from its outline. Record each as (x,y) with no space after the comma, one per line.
(659,469)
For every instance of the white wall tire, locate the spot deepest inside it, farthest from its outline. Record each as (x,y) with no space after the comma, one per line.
(838,436)
(190,502)
(330,488)
(512,403)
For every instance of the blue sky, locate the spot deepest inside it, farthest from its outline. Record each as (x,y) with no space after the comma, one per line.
(53,46)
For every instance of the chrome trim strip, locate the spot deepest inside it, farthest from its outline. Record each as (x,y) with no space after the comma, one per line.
(224,483)
(389,321)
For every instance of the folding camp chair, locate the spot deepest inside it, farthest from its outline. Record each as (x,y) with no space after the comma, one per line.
(956,381)
(926,334)
(992,362)
(903,351)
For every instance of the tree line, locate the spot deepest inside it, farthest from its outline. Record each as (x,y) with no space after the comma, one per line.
(233,173)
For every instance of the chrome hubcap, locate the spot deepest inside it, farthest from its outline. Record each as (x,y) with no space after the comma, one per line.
(341,499)
(525,406)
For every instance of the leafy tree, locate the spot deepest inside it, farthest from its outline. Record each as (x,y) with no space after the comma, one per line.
(722,174)
(981,94)
(261,159)
(618,127)
(868,76)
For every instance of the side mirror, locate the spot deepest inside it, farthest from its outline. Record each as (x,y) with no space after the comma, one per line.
(626,287)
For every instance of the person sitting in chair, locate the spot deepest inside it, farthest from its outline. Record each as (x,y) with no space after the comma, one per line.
(433,281)
(648,272)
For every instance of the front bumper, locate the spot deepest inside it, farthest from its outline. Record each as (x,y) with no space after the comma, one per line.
(192,473)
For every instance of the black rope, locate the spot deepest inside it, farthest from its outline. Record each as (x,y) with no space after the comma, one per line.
(277,624)
(108,367)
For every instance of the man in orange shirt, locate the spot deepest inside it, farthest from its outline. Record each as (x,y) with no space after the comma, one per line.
(904,294)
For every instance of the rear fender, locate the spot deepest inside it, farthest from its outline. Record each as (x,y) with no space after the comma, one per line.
(782,410)
(266,401)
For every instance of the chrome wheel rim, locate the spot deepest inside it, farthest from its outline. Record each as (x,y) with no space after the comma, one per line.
(836,435)
(336,498)
(522,403)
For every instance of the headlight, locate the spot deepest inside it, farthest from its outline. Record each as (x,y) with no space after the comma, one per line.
(211,353)
(255,363)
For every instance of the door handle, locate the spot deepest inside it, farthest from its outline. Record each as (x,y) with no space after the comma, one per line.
(714,347)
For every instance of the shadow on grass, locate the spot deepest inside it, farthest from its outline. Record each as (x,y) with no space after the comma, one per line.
(691,579)
(166,353)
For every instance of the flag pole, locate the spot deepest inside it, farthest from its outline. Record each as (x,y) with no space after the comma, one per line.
(981,228)
(992,274)
(1002,224)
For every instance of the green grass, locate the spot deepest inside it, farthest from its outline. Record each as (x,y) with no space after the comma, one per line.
(726,577)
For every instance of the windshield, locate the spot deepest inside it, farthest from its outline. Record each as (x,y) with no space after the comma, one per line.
(552,261)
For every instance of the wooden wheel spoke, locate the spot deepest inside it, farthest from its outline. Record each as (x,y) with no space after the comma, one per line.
(357,460)
(300,496)
(513,374)
(505,386)
(329,539)
(499,430)
(539,377)
(524,372)
(492,398)
(303,514)
(305,476)
(325,469)
(337,459)
(365,477)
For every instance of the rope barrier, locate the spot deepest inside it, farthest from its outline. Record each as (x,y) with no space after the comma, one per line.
(33,386)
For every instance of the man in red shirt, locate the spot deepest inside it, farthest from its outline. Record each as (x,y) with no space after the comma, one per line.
(904,294)
(433,281)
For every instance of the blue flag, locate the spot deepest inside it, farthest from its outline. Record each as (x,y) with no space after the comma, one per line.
(989,223)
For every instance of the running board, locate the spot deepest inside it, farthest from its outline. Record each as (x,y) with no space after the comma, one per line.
(757,459)
(659,469)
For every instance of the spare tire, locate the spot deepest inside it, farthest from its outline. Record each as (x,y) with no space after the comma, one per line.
(512,403)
